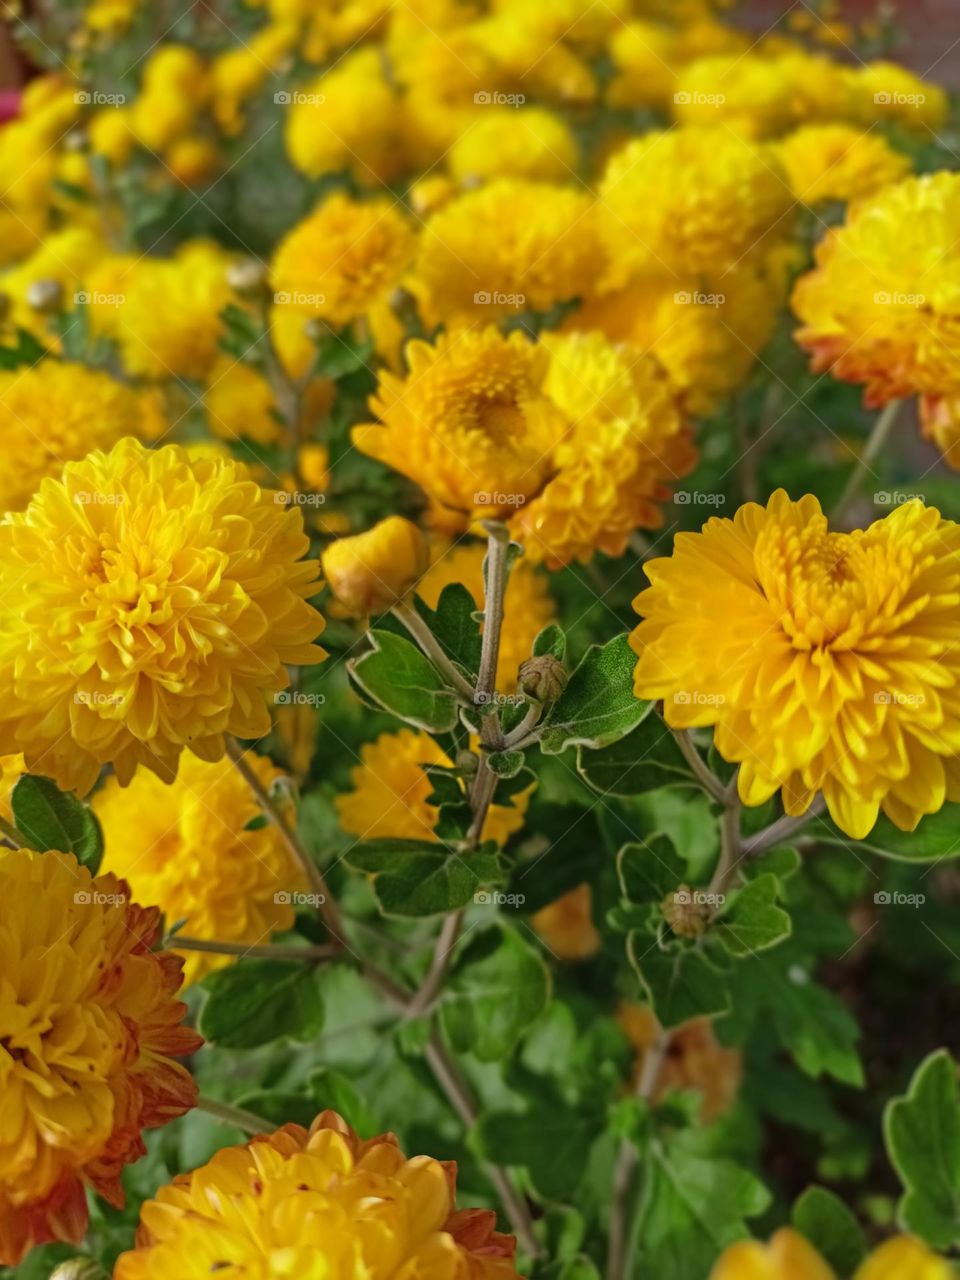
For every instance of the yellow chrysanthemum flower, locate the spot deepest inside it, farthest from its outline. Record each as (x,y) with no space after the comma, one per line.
(12,769)
(237,73)
(826,661)
(53,413)
(343,259)
(789,1256)
(390,790)
(185,847)
(90,1025)
(887,91)
(649,56)
(510,246)
(528,604)
(697,1061)
(65,257)
(504,142)
(150,602)
(566,926)
(370,572)
(690,200)
(164,313)
(839,162)
(317,1202)
(880,306)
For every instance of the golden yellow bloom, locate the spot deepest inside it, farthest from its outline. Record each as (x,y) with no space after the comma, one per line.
(53,413)
(343,259)
(193,160)
(240,403)
(164,313)
(150,602)
(184,847)
(65,256)
(879,307)
(696,1061)
(528,604)
(348,119)
(390,790)
(788,1256)
(888,91)
(317,1202)
(826,661)
(12,769)
(327,25)
(372,571)
(504,142)
(566,926)
(839,162)
(690,200)
(510,246)
(237,73)
(89,1028)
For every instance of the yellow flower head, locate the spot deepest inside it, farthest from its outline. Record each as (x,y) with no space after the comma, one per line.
(826,661)
(566,926)
(649,57)
(504,142)
(317,1202)
(65,256)
(880,306)
(528,605)
(53,413)
(839,162)
(343,259)
(887,91)
(370,572)
(150,602)
(164,313)
(185,848)
(510,246)
(689,200)
(390,792)
(90,1024)
(788,1256)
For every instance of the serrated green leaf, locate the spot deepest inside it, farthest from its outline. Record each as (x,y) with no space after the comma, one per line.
(649,870)
(49,818)
(831,1228)
(922,1133)
(397,676)
(255,1002)
(680,983)
(647,759)
(454,624)
(750,920)
(598,705)
(550,1140)
(550,641)
(499,987)
(421,878)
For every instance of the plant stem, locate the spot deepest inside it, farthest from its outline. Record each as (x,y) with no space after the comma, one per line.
(481,797)
(430,645)
(10,833)
(520,736)
(731,852)
(498,543)
(627,1161)
(236,1116)
(781,830)
(429,989)
(879,435)
(329,912)
(275,951)
(698,766)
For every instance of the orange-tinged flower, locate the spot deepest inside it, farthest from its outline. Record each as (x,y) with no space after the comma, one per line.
(150,602)
(317,1203)
(372,571)
(88,1029)
(566,926)
(826,661)
(186,848)
(695,1059)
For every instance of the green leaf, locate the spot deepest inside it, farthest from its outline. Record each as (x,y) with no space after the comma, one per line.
(280,1108)
(397,676)
(551,641)
(649,871)
(550,1140)
(333,1091)
(680,983)
(937,837)
(49,818)
(923,1140)
(242,334)
(454,624)
(506,764)
(339,355)
(598,705)
(498,988)
(644,760)
(422,878)
(255,1002)
(693,1209)
(751,921)
(831,1228)
(578,1268)
(27,350)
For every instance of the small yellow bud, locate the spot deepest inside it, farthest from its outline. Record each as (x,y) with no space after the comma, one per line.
(372,571)
(543,678)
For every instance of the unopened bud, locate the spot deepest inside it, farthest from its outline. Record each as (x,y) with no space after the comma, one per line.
(79,1269)
(45,295)
(467,762)
(248,277)
(543,679)
(685,912)
(370,572)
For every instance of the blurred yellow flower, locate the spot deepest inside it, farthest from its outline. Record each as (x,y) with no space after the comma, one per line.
(503,142)
(390,793)
(362,1209)
(566,926)
(826,661)
(237,73)
(12,769)
(150,602)
(887,91)
(184,847)
(839,162)
(65,257)
(90,1027)
(370,572)
(788,1256)
(192,160)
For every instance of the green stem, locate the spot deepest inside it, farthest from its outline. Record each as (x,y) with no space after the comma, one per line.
(879,436)
(273,951)
(431,646)
(236,1116)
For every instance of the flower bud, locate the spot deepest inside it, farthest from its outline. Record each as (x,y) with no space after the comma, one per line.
(372,571)
(45,295)
(543,679)
(467,762)
(79,1269)
(247,276)
(685,912)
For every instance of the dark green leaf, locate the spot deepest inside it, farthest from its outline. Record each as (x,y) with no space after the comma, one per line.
(936,837)
(455,626)
(498,988)
(26,351)
(255,1002)
(550,1140)
(422,878)
(598,705)
(923,1140)
(49,818)
(831,1228)
(649,871)
(395,674)
(552,641)
(646,759)
(333,1091)
(750,920)
(680,983)
(506,764)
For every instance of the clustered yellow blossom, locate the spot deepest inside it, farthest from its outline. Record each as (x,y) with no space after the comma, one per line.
(839,162)
(187,848)
(150,602)
(789,1256)
(89,1025)
(826,662)
(318,1201)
